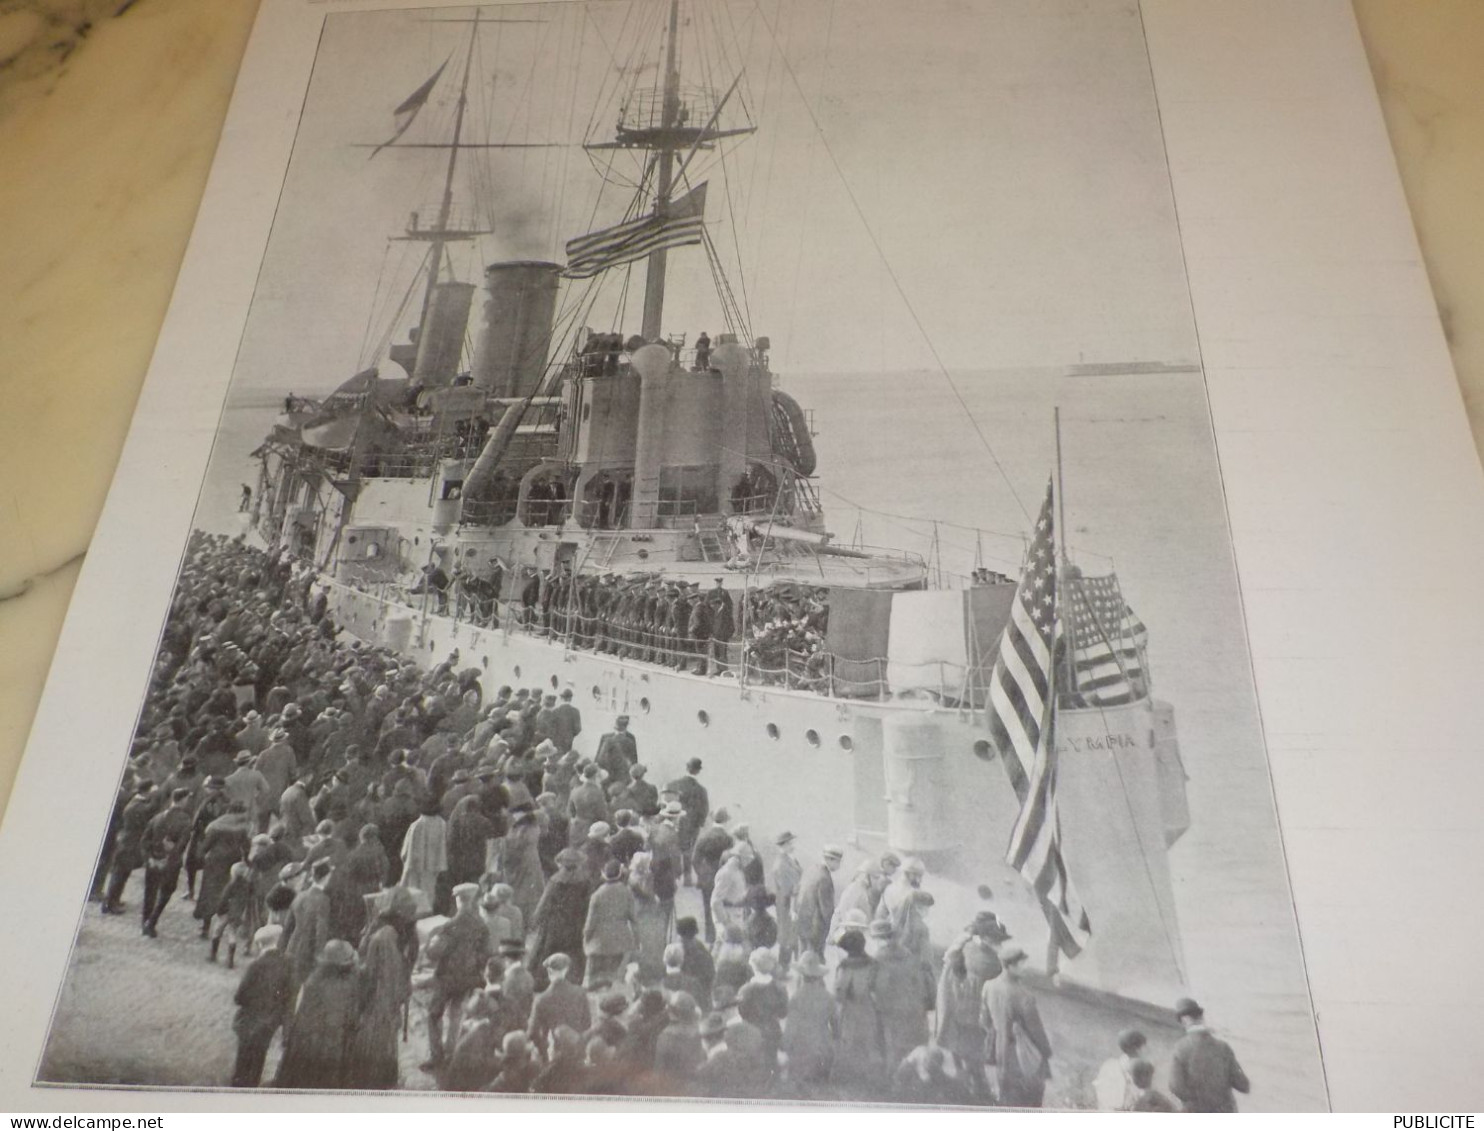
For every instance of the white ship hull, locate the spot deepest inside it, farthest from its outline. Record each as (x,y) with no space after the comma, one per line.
(905,774)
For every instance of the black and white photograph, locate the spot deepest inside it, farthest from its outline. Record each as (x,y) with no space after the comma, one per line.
(713,582)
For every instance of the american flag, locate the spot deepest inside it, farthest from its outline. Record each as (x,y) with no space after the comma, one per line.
(1108,643)
(683,223)
(1021,715)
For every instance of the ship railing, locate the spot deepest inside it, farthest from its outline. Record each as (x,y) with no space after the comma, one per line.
(819,672)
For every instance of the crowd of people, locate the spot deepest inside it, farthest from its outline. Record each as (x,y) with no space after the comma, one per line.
(367,840)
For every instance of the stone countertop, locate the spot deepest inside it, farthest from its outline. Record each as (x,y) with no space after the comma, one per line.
(110,112)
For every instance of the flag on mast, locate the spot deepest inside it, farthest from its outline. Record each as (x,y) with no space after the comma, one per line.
(1108,642)
(403,115)
(683,222)
(1022,718)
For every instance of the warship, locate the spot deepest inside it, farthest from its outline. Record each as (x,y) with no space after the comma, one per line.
(635,517)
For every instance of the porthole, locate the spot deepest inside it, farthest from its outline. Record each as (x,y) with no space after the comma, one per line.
(703,718)
(597,693)
(554,682)
(983,750)
(484,661)
(773,731)
(644,705)
(811,737)
(515,671)
(846,743)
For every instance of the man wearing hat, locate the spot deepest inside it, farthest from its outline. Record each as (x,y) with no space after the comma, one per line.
(279,765)
(729,892)
(808,1039)
(247,785)
(1203,1069)
(1020,1050)
(706,861)
(307,926)
(566,722)
(609,935)
(817,901)
(723,1074)
(265,1002)
(617,750)
(905,993)
(518,983)
(723,626)
(788,873)
(458,949)
(561,1003)
(696,804)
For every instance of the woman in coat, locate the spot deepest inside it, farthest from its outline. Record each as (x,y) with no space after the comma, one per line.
(520,865)
(560,916)
(858,1061)
(317,1046)
(224,842)
(651,921)
(387,958)
(425,853)
(469,834)
(363,873)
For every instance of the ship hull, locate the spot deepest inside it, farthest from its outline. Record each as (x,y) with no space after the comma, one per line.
(870,775)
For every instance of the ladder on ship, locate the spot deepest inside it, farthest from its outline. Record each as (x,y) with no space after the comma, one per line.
(711,545)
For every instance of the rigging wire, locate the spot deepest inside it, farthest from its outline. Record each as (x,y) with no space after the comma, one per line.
(891,273)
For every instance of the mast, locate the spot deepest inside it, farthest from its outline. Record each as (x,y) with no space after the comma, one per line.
(445,206)
(654,278)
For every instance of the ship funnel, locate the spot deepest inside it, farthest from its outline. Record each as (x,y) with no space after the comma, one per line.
(510,357)
(440,340)
(734,363)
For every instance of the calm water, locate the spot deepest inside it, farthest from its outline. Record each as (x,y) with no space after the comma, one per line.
(1142,495)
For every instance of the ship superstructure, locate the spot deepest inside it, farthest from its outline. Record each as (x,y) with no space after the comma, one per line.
(634,515)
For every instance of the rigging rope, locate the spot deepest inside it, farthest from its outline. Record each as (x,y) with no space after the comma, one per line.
(891,273)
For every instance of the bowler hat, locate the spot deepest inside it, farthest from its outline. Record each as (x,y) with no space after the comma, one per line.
(1187,1007)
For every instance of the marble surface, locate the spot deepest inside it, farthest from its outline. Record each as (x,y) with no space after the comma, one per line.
(109,115)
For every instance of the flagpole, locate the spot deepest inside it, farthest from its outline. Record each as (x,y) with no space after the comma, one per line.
(1064,661)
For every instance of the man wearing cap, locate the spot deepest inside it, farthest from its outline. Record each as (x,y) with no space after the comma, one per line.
(586,804)
(265,1002)
(561,1003)
(638,795)
(1113,1086)
(518,983)
(696,804)
(763,1003)
(903,905)
(817,901)
(787,875)
(1017,1047)
(617,750)
(163,850)
(711,845)
(678,1051)
(128,853)
(307,926)
(1203,1069)
(459,950)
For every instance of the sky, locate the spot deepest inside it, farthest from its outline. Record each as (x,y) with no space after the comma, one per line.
(972,185)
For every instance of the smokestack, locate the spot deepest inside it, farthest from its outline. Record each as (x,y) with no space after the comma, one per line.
(441,338)
(515,339)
